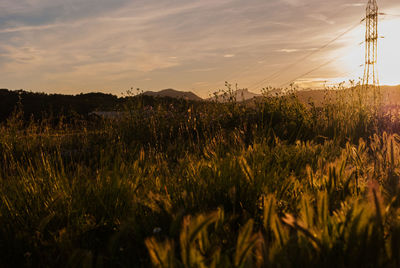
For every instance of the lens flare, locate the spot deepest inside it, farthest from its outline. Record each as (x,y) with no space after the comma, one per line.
(352,63)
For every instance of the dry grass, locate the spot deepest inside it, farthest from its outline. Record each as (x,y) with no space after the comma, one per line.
(217,185)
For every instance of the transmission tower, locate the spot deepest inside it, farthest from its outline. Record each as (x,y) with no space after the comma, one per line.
(370,80)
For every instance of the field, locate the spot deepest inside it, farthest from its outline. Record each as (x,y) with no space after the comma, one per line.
(274,183)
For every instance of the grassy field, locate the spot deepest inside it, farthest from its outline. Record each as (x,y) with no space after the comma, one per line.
(277,183)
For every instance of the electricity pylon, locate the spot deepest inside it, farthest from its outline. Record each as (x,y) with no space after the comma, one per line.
(370,80)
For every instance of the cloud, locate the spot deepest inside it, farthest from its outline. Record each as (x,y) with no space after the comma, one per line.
(292,2)
(202,70)
(33,28)
(354,5)
(321,17)
(287,50)
(67,44)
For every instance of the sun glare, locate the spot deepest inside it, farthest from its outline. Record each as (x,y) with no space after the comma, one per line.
(388,54)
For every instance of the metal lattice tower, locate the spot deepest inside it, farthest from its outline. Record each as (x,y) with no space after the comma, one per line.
(370,79)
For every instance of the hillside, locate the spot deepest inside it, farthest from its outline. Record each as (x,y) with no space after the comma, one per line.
(39,104)
(390,95)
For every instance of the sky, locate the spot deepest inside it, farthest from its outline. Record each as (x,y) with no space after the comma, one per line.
(79,46)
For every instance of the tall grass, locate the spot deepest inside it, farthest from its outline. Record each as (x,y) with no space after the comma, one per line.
(271,183)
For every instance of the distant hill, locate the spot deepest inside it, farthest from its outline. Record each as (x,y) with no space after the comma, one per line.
(317,96)
(172,93)
(390,95)
(239,95)
(39,104)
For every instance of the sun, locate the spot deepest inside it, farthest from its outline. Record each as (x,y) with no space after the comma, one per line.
(351,63)
(389,52)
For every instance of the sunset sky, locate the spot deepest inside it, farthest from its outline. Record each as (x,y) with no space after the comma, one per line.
(74,46)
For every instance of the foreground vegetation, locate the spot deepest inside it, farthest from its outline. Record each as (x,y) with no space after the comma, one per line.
(276,183)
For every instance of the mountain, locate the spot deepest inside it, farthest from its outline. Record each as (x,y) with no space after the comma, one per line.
(172,93)
(238,95)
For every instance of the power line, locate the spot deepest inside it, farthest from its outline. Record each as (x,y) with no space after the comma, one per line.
(309,72)
(347,73)
(278,73)
(318,67)
(262,58)
(388,14)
